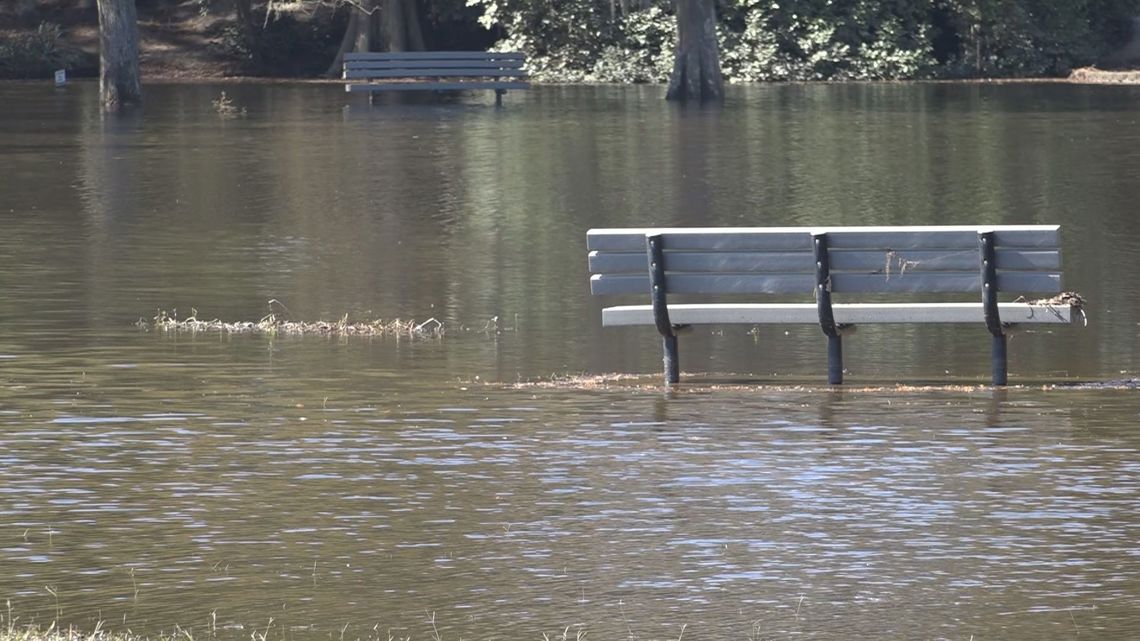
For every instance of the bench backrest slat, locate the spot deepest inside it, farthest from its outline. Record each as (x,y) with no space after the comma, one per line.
(842,260)
(415,65)
(792,238)
(847,283)
(433,55)
(888,260)
(433,73)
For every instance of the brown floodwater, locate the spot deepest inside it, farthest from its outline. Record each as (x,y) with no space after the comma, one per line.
(343,488)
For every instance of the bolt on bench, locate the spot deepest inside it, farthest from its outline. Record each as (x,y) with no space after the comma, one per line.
(817,264)
(435,71)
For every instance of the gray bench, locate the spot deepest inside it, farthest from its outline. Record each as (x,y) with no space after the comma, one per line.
(435,71)
(719,266)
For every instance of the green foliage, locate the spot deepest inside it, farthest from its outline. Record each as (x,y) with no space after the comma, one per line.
(592,40)
(36,54)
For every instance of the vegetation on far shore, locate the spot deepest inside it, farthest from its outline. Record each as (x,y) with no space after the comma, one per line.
(624,41)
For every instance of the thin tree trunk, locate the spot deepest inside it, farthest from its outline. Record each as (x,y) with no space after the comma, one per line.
(696,66)
(119,84)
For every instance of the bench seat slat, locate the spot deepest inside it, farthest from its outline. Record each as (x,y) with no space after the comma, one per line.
(799,238)
(865,261)
(434,86)
(854,313)
(841,283)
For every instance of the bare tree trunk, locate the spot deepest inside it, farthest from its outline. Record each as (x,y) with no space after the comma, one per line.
(119,84)
(696,66)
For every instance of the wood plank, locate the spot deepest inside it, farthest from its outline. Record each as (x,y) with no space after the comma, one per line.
(717,239)
(773,238)
(610,262)
(943,282)
(873,262)
(435,73)
(897,262)
(706,284)
(434,55)
(859,313)
(900,239)
(434,86)
(845,283)
(433,64)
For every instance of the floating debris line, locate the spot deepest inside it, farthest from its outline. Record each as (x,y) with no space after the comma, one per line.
(272,325)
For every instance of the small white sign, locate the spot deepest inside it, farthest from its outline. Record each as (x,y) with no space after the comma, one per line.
(60,77)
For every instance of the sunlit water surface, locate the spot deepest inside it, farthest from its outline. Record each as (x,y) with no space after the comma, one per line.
(303,488)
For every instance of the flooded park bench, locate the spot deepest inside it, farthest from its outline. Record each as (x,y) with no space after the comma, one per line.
(717,267)
(435,71)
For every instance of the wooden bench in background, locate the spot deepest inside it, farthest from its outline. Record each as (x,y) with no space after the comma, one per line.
(435,71)
(717,265)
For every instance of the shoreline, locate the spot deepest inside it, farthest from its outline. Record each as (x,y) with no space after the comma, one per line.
(1083,76)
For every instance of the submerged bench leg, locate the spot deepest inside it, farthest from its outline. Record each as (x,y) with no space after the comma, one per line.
(672,364)
(499,97)
(835,360)
(1001,372)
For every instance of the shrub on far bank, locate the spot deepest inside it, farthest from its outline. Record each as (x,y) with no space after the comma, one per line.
(37,53)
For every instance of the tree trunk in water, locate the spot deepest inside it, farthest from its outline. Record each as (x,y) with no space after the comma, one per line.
(357,35)
(401,26)
(415,33)
(118,54)
(696,66)
(395,33)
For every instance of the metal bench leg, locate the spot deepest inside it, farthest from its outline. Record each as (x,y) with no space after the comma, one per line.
(671,362)
(823,307)
(499,97)
(990,307)
(835,360)
(655,253)
(1001,371)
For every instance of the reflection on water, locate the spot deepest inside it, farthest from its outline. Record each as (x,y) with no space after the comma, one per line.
(319,488)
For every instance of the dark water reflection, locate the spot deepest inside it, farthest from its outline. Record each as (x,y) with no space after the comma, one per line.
(313,488)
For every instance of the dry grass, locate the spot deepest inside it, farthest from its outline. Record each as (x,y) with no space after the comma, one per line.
(1092,75)
(273,325)
(52,633)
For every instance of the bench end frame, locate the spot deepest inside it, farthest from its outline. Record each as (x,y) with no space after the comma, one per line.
(655,254)
(999,341)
